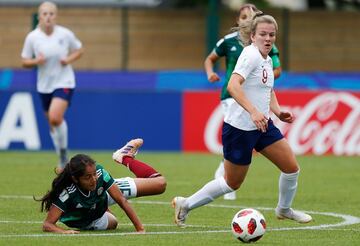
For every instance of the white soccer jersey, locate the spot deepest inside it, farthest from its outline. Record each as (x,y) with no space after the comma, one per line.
(52,75)
(259,81)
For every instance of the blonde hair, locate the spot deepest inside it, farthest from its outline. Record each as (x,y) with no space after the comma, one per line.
(253,11)
(47,4)
(248,27)
(250,6)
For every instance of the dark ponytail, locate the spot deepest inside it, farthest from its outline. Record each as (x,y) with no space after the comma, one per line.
(75,168)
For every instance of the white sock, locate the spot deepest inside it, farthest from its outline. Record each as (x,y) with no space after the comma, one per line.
(220,171)
(54,137)
(63,133)
(208,193)
(287,189)
(59,136)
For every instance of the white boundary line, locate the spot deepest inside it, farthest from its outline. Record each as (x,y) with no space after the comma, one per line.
(347,220)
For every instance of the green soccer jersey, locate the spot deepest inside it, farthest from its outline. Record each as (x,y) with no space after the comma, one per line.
(231,47)
(79,208)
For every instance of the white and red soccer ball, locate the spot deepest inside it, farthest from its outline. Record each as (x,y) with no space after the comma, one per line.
(248,225)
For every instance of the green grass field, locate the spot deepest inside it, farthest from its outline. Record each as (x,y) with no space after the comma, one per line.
(329,187)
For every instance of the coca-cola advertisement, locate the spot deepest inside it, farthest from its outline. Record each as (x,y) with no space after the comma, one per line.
(327,122)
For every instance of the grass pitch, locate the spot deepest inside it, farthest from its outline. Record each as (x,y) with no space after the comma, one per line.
(328,189)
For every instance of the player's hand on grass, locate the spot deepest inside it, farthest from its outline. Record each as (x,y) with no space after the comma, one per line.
(141,231)
(71,232)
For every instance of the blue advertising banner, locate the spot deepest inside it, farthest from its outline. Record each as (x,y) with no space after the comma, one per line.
(111,107)
(100,121)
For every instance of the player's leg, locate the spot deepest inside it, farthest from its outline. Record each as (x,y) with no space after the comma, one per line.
(58,128)
(148,181)
(139,168)
(237,148)
(150,186)
(220,171)
(55,105)
(280,153)
(125,156)
(234,176)
(112,221)
(106,222)
(137,187)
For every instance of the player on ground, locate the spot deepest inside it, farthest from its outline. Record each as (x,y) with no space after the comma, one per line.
(247,126)
(231,47)
(81,194)
(52,48)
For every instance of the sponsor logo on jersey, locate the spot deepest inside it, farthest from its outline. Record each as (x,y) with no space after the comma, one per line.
(233,48)
(106,175)
(100,191)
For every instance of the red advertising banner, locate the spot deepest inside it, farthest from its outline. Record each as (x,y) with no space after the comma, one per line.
(327,122)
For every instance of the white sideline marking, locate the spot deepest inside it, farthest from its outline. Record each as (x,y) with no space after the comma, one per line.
(347,220)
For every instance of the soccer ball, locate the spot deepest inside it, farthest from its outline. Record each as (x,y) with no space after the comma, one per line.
(248,225)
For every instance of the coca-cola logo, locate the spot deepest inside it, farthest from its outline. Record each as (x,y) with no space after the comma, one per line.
(328,123)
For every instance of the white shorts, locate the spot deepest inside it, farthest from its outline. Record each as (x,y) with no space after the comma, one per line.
(100,224)
(127,187)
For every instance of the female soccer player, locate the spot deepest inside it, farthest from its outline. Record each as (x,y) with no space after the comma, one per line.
(52,48)
(81,194)
(247,126)
(231,47)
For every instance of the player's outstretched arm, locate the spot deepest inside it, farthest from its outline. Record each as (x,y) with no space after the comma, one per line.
(118,197)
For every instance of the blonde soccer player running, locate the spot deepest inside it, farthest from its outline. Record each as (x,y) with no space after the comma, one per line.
(247,126)
(230,47)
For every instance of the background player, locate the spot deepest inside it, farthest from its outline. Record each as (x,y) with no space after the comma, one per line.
(52,48)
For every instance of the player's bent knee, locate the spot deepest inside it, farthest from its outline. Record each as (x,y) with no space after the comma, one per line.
(161,184)
(55,121)
(112,222)
(233,184)
(291,169)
